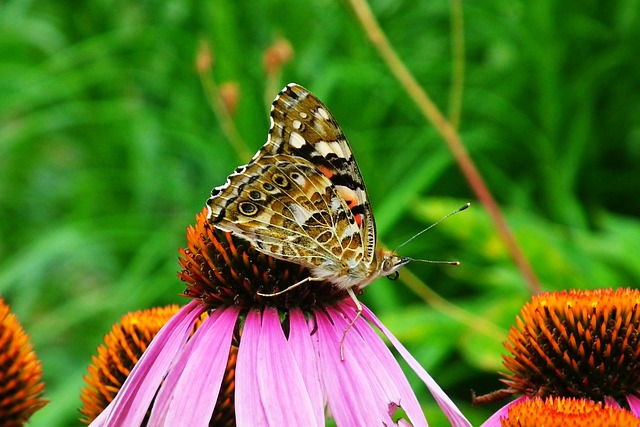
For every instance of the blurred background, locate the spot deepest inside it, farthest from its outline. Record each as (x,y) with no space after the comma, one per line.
(109,146)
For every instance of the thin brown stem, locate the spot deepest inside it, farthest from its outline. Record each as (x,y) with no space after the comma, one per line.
(448,133)
(457,70)
(217,106)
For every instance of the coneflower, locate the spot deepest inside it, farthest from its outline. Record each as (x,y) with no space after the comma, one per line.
(123,346)
(579,344)
(288,370)
(21,385)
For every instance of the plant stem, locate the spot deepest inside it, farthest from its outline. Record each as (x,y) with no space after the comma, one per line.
(449,134)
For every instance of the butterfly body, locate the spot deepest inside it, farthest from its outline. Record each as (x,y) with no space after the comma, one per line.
(302,198)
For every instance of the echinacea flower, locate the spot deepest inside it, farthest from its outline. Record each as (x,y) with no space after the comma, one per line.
(288,370)
(21,387)
(565,412)
(580,344)
(123,346)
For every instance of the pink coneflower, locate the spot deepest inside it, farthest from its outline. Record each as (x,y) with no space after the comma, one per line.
(288,371)
(576,344)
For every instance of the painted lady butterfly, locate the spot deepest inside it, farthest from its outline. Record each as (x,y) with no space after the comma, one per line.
(302,199)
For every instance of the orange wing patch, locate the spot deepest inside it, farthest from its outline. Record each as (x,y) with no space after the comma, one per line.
(350,196)
(326,171)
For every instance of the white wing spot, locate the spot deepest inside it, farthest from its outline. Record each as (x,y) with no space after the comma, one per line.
(344,147)
(297,124)
(303,115)
(300,214)
(327,147)
(323,113)
(324,148)
(299,180)
(335,204)
(296,140)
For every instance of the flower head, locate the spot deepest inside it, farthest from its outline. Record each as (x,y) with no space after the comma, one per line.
(122,348)
(288,369)
(222,270)
(20,374)
(581,344)
(566,412)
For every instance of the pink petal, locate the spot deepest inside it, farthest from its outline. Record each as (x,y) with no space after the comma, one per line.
(282,389)
(610,401)
(448,407)
(399,391)
(303,347)
(353,398)
(189,393)
(249,410)
(634,404)
(494,420)
(132,401)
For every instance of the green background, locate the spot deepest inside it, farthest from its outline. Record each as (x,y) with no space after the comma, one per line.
(109,147)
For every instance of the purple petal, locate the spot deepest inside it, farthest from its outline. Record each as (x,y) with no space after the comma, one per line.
(610,401)
(494,420)
(448,407)
(303,347)
(386,366)
(283,392)
(189,393)
(634,404)
(132,401)
(353,398)
(249,410)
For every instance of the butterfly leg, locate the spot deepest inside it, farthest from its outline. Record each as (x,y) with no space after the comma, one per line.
(295,285)
(359,312)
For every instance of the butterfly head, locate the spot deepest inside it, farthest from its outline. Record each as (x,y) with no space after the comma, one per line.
(391,263)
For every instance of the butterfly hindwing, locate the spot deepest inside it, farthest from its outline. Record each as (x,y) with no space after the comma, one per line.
(286,208)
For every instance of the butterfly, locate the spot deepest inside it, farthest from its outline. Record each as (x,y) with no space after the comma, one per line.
(302,199)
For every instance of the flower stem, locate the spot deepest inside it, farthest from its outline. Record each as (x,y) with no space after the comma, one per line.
(215,102)
(448,133)
(457,70)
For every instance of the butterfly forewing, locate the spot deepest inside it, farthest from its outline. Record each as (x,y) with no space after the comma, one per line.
(303,126)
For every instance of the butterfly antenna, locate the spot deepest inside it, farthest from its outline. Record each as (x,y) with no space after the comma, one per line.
(460,209)
(430,261)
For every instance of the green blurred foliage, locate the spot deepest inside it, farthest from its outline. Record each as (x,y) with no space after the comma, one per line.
(108,148)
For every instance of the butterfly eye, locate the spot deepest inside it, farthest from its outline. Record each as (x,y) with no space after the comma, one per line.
(387,264)
(248,208)
(280,180)
(255,195)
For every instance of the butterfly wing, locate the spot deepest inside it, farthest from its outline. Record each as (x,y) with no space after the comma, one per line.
(287,209)
(302,198)
(301,125)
